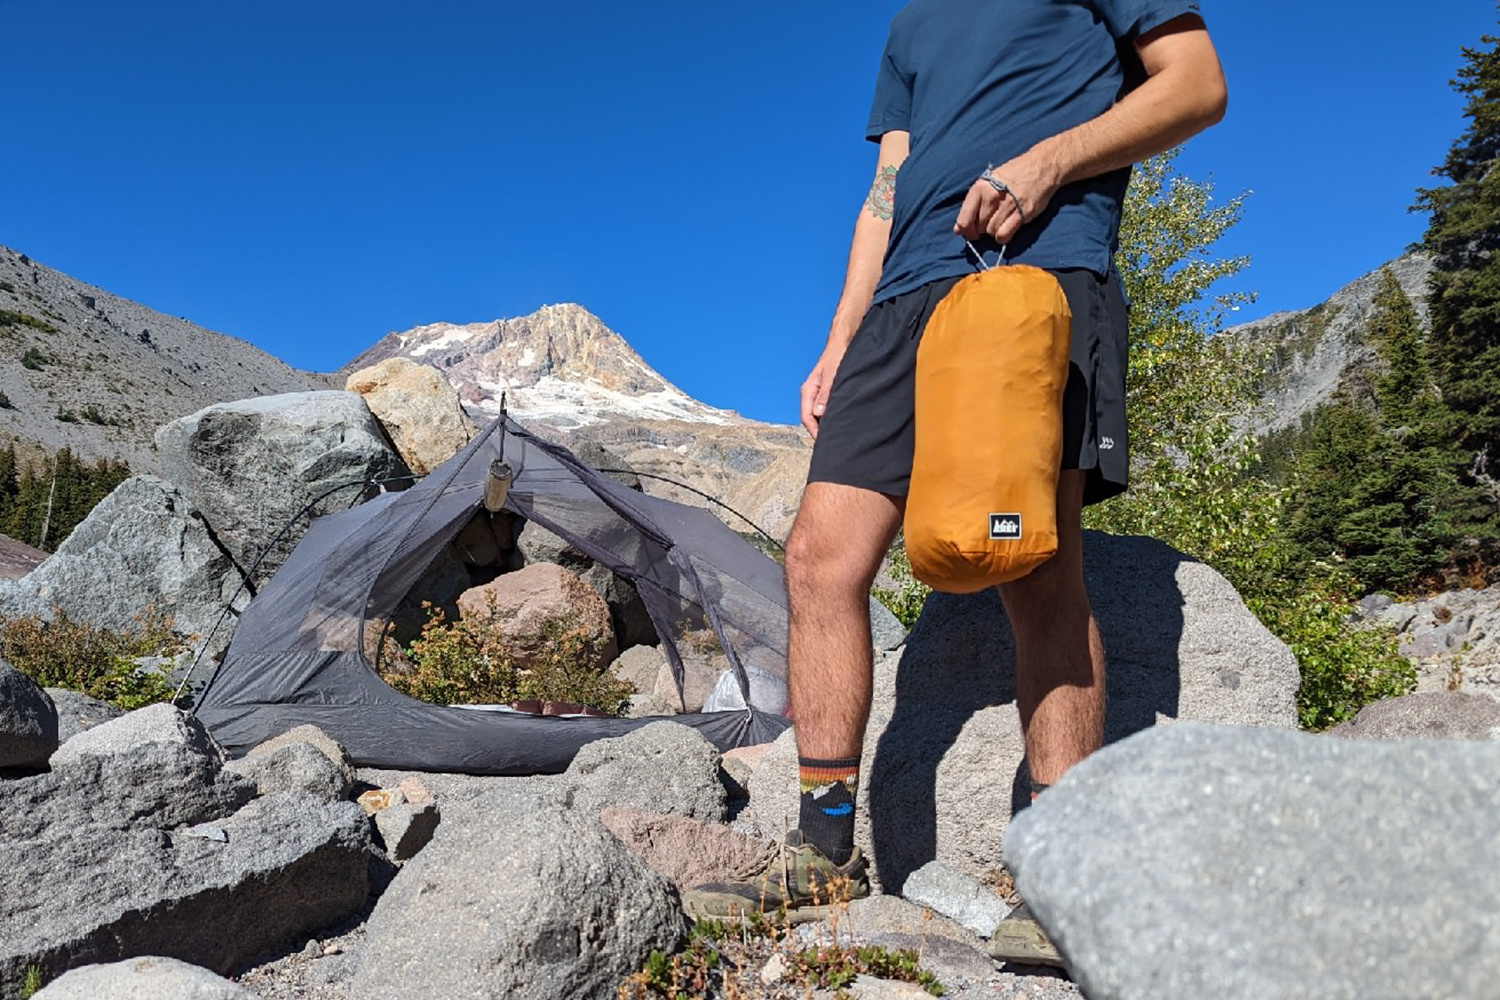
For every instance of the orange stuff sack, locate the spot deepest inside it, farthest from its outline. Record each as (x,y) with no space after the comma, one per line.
(991,369)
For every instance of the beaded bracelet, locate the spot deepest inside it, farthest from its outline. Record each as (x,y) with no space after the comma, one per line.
(1003,188)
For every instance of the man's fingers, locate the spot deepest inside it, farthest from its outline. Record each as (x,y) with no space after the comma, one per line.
(811,410)
(968,224)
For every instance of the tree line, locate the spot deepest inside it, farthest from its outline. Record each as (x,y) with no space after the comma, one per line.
(42,502)
(1398,476)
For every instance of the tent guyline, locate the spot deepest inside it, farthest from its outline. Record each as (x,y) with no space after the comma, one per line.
(710,498)
(301,654)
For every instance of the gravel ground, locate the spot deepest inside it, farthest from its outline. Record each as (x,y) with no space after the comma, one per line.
(322,967)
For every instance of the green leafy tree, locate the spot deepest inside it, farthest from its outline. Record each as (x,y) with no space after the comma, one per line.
(1189,391)
(1190,398)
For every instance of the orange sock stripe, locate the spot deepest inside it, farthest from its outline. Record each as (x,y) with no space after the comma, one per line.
(817,777)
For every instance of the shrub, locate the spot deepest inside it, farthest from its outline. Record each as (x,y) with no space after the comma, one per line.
(6,286)
(10,318)
(722,959)
(1345,665)
(34,359)
(464,662)
(67,416)
(98,661)
(910,595)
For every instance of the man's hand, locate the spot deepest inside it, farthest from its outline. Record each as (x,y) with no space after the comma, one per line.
(815,389)
(1184,93)
(987,211)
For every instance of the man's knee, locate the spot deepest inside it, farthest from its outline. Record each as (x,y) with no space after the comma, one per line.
(1056,587)
(840,535)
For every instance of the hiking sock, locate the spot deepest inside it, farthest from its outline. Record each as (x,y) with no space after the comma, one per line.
(826,813)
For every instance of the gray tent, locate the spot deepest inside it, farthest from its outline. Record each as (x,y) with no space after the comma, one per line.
(298,653)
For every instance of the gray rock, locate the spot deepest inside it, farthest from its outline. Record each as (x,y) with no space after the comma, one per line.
(949,951)
(143,546)
(295,767)
(663,768)
(1436,715)
(886,630)
(521,901)
(956,896)
(160,723)
(287,865)
(1197,861)
(1431,640)
(157,786)
(28,721)
(639,665)
(404,829)
(76,712)
(150,978)
(601,459)
(943,751)
(252,466)
(1373,604)
(648,706)
(538,545)
(315,737)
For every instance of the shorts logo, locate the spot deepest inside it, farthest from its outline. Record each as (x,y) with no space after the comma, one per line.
(1005,527)
(1106,444)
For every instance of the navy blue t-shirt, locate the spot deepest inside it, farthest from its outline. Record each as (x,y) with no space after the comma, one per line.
(978,82)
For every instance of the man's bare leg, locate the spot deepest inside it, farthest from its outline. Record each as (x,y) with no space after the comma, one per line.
(1059,654)
(832,556)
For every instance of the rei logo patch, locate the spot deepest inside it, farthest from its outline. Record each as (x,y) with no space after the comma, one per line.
(1005,527)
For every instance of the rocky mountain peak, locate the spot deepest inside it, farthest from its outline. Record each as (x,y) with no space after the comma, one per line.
(560,365)
(1310,353)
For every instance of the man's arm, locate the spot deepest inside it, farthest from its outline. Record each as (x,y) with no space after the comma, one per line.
(1184,93)
(866,257)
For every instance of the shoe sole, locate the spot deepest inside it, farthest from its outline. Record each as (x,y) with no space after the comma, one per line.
(1025,943)
(722,911)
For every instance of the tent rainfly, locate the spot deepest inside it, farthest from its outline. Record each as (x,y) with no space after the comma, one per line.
(299,653)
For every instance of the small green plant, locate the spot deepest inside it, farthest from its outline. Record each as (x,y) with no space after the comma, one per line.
(92,414)
(98,661)
(10,318)
(1345,666)
(6,286)
(723,958)
(34,360)
(5,403)
(67,416)
(466,661)
(910,594)
(32,980)
(834,967)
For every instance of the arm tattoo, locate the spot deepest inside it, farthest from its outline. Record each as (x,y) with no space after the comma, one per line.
(882,199)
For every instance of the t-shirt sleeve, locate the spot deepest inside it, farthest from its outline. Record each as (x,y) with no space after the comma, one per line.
(891,110)
(1133,18)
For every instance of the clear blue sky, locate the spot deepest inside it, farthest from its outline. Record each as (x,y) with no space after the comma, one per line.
(310,176)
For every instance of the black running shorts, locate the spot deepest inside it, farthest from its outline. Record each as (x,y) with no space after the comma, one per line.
(867,434)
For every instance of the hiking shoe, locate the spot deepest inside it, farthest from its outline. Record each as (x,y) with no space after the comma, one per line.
(799,883)
(1020,939)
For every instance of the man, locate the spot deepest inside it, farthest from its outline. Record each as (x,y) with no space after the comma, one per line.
(1043,92)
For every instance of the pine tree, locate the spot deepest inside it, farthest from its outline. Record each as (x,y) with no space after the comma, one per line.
(25,521)
(1403,390)
(10,483)
(1379,488)
(1464,235)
